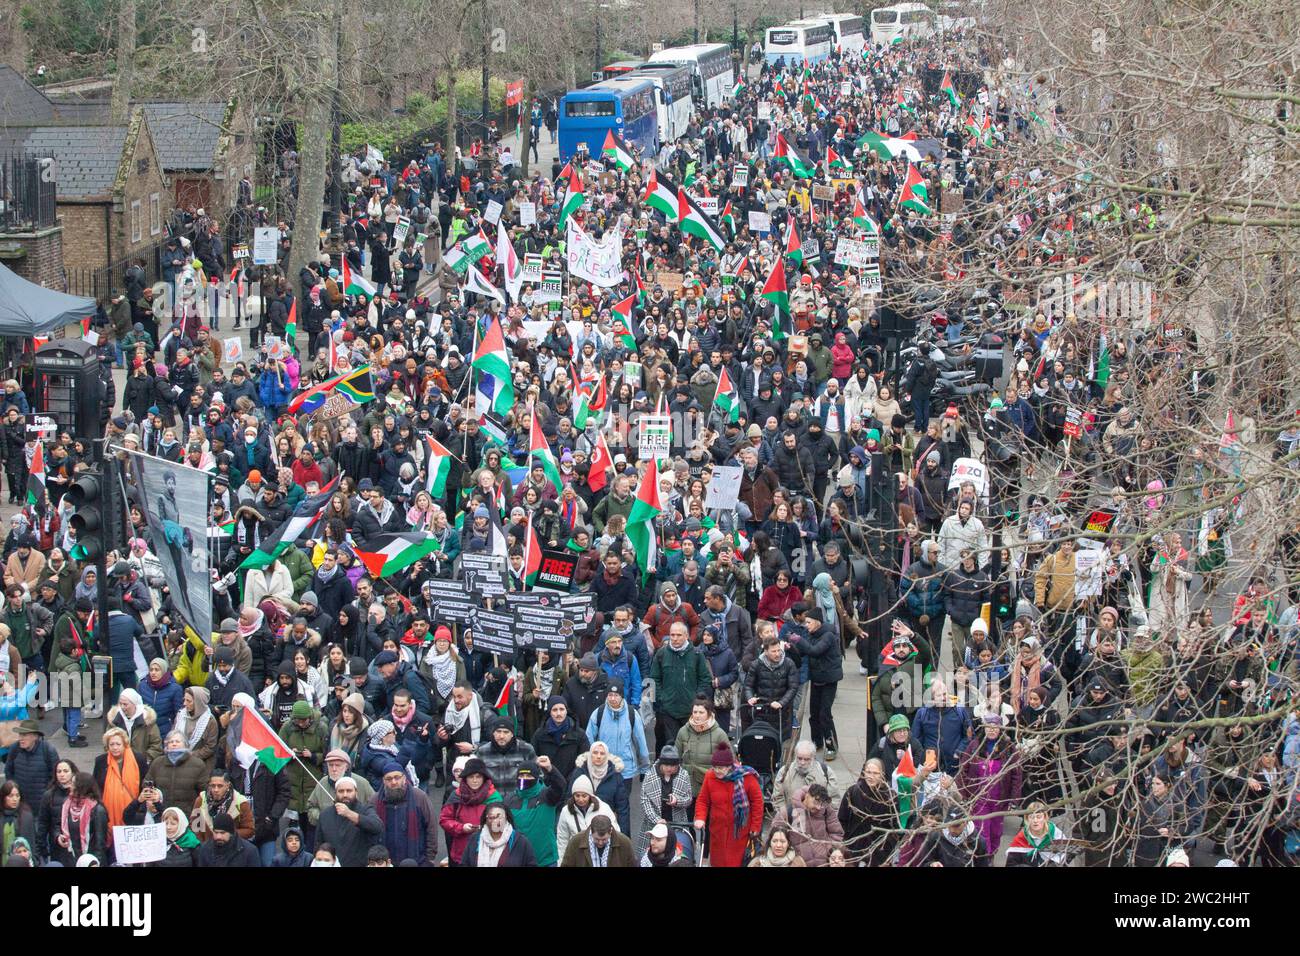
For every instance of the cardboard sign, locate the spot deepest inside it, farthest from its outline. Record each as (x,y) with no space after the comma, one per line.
(723,489)
(557,569)
(266,243)
(400,231)
(1088,563)
(527,213)
(811,248)
(232,350)
(972,470)
(856,253)
(43,425)
(552,286)
(493,212)
(671,281)
(740,175)
(275,348)
(532,267)
(760,222)
(846,87)
(1073,423)
(824,192)
(764,111)
(632,373)
(869,280)
(1099,522)
(654,437)
(144,844)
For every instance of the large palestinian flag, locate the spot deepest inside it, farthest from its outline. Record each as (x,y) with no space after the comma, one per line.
(540,452)
(641,521)
(776,292)
(438,464)
(727,398)
(36,477)
(491,358)
(252,739)
(297,525)
(660,194)
(615,151)
(389,553)
(354,283)
(573,198)
(694,222)
(793,244)
(785,153)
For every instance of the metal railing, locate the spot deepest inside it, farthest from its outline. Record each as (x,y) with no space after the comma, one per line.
(27,194)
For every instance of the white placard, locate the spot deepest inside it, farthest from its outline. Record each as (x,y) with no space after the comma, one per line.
(846,87)
(91,337)
(239,252)
(740,175)
(760,222)
(708,205)
(527,213)
(723,489)
(869,279)
(145,844)
(597,262)
(232,350)
(1087,572)
(493,212)
(811,248)
(856,253)
(972,470)
(266,243)
(400,230)
(654,436)
(532,267)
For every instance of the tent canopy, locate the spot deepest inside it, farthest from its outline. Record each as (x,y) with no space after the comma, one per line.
(27,309)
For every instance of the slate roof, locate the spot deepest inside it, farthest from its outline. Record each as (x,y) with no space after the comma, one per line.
(88,157)
(20,102)
(185,134)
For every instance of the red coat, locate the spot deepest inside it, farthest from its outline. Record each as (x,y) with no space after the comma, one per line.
(714,805)
(303,473)
(774,603)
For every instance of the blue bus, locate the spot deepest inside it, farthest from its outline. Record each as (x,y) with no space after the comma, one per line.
(626,105)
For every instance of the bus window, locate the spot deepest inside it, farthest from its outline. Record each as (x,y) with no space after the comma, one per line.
(589,108)
(884,16)
(781,37)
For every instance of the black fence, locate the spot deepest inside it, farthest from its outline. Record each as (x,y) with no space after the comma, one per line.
(101,283)
(26,194)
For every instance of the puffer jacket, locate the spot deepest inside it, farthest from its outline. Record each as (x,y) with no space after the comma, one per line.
(457,811)
(696,749)
(771,682)
(964,592)
(812,835)
(922,588)
(503,764)
(613,790)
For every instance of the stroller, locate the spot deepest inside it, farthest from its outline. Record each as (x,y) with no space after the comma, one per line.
(760,747)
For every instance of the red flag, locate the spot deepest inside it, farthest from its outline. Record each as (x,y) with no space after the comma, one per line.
(601,461)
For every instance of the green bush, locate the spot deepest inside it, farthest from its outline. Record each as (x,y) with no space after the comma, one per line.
(422,113)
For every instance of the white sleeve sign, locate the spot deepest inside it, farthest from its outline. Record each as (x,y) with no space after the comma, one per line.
(146,844)
(969,469)
(493,212)
(600,263)
(232,350)
(654,436)
(723,489)
(760,222)
(527,213)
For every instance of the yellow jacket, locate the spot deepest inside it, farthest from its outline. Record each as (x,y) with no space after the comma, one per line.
(1054,582)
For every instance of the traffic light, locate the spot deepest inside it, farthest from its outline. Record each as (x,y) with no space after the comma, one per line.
(88,518)
(1002,600)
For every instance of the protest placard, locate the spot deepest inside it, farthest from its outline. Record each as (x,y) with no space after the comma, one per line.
(723,488)
(969,469)
(654,437)
(492,213)
(142,844)
(527,213)
(760,222)
(493,630)
(266,243)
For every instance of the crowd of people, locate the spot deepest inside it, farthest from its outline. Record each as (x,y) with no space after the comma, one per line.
(1041,666)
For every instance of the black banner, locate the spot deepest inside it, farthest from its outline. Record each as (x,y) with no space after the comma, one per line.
(557,569)
(493,631)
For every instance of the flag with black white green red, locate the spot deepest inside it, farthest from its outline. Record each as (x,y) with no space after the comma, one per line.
(476,246)
(621,322)
(785,153)
(540,453)
(573,198)
(354,283)
(660,194)
(728,218)
(900,100)
(36,477)
(694,222)
(837,162)
(252,740)
(950,91)
(691,173)
(438,465)
(532,554)
(793,244)
(492,359)
(777,292)
(291,530)
(642,296)
(914,196)
(727,397)
(739,88)
(641,530)
(386,554)
(862,220)
(616,152)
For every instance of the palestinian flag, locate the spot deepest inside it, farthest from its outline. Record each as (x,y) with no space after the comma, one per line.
(357,387)
(302,520)
(502,704)
(776,292)
(540,451)
(837,162)
(890,147)
(727,398)
(694,222)
(787,154)
(691,174)
(660,195)
(251,739)
(616,152)
(914,195)
(793,245)
(36,477)
(901,102)
(1103,363)
(512,269)
(493,431)
(573,198)
(478,283)
(641,295)
(950,91)
(291,326)
(354,283)
(387,554)
(739,88)
(532,554)
(476,246)
(491,358)
(1025,847)
(641,529)
(621,324)
(862,220)
(728,218)
(601,462)
(438,464)
(590,406)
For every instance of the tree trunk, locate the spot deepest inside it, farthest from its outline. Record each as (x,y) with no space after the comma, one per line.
(525,126)
(449,146)
(120,105)
(313,150)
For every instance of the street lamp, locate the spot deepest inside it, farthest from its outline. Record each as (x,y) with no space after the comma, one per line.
(600,56)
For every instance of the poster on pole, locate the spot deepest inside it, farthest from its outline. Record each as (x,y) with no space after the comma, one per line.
(740,175)
(856,253)
(232,350)
(557,569)
(493,630)
(972,470)
(869,279)
(528,214)
(142,844)
(532,267)
(541,623)
(493,212)
(484,575)
(266,243)
(401,230)
(599,262)
(551,288)
(760,222)
(654,437)
(451,600)
(723,489)
(174,499)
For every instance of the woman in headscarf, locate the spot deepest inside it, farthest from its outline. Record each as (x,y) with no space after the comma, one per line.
(824,595)
(161,692)
(139,722)
(542,681)
(197,726)
(118,774)
(348,732)
(604,771)
(348,633)
(181,842)
(88,586)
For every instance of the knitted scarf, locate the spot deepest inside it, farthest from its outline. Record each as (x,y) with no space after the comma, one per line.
(1021,684)
(489,850)
(391,818)
(739,798)
(78,813)
(121,785)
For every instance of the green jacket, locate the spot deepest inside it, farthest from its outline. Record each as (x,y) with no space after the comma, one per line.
(679,678)
(607,508)
(697,750)
(536,817)
(314,738)
(300,569)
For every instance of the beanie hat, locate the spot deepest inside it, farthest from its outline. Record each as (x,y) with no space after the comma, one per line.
(223,655)
(309,597)
(722,756)
(553,700)
(391,766)
(356,701)
(301,710)
(669,754)
(588,662)
(474,765)
(582,785)
(357,667)
(897,722)
(223,822)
